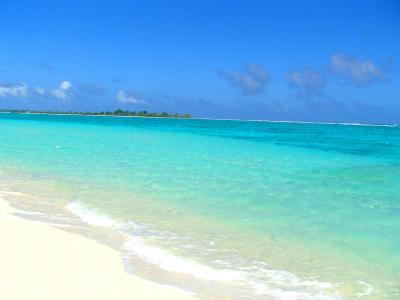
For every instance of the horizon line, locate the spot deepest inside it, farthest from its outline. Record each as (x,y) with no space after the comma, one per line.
(5,111)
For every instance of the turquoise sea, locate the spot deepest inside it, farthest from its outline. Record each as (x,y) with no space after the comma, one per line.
(228,209)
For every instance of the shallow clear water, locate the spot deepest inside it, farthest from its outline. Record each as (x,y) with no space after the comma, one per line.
(279,210)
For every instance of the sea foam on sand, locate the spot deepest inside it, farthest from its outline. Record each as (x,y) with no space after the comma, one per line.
(39,261)
(296,288)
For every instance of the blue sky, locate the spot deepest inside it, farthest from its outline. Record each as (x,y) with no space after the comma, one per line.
(335,61)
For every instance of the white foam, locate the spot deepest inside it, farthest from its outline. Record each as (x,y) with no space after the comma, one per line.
(297,288)
(292,286)
(91,216)
(299,122)
(172,263)
(368,289)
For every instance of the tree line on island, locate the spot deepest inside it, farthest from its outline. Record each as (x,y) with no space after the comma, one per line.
(118,112)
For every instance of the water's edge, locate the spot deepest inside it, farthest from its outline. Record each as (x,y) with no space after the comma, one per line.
(160,266)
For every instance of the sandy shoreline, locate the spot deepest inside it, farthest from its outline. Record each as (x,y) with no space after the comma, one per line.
(39,261)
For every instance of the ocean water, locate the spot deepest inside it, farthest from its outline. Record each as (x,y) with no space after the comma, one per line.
(227,209)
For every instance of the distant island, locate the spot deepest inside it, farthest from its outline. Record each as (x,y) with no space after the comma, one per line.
(118,112)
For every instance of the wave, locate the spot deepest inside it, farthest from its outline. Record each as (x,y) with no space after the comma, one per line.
(91,217)
(301,122)
(173,263)
(253,275)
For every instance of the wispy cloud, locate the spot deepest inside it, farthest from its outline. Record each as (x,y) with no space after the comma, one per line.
(252,81)
(128,98)
(118,80)
(46,66)
(62,91)
(13,90)
(360,73)
(90,88)
(40,91)
(24,91)
(307,80)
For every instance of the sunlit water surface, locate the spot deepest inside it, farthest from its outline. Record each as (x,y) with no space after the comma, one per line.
(245,210)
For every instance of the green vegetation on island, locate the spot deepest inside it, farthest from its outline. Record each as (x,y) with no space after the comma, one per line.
(118,112)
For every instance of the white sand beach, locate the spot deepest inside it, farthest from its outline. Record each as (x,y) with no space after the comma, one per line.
(38,261)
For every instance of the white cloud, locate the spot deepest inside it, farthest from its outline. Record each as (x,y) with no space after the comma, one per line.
(62,91)
(23,91)
(65,85)
(17,90)
(39,90)
(124,97)
(360,73)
